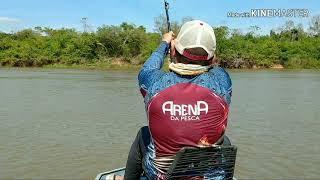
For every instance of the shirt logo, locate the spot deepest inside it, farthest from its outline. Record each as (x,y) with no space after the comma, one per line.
(185,112)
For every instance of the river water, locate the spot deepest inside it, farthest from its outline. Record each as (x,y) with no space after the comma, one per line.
(73,124)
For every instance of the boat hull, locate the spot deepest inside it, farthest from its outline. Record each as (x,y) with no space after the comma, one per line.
(119,172)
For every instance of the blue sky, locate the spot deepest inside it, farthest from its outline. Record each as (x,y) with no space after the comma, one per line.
(19,14)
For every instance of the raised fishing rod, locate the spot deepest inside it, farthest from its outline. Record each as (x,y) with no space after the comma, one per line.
(166,7)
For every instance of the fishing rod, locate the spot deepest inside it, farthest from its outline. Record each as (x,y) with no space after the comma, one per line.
(166,6)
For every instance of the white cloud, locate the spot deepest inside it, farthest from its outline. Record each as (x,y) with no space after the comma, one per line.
(7,20)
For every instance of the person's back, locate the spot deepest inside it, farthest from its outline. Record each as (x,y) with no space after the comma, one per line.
(185,107)
(186,111)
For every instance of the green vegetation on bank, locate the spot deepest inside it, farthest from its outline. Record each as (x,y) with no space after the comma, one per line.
(128,45)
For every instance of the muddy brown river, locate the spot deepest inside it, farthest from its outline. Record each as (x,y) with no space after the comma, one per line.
(73,124)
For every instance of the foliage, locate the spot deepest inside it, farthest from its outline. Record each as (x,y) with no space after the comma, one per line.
(289,45)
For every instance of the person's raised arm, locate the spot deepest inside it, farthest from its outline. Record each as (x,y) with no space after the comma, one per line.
(151,69)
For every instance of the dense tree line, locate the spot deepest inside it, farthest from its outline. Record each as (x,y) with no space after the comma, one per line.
(42,46)
(290,45)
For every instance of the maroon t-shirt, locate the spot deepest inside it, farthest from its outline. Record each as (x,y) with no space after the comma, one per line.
(185,115)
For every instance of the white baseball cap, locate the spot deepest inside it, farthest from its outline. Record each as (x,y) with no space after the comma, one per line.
(195,34)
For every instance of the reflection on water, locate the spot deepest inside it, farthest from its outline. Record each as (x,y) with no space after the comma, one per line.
(58,124)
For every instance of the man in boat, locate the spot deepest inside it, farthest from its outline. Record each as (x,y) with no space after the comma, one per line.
(187,106)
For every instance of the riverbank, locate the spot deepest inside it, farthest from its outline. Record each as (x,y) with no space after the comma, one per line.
(119,65)
(95,66)
(130,67)
(110,64)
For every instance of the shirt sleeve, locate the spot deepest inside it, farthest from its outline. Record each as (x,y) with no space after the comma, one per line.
(224,82)
(151,70)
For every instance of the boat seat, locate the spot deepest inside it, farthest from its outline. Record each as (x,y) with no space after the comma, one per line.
(205,163)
